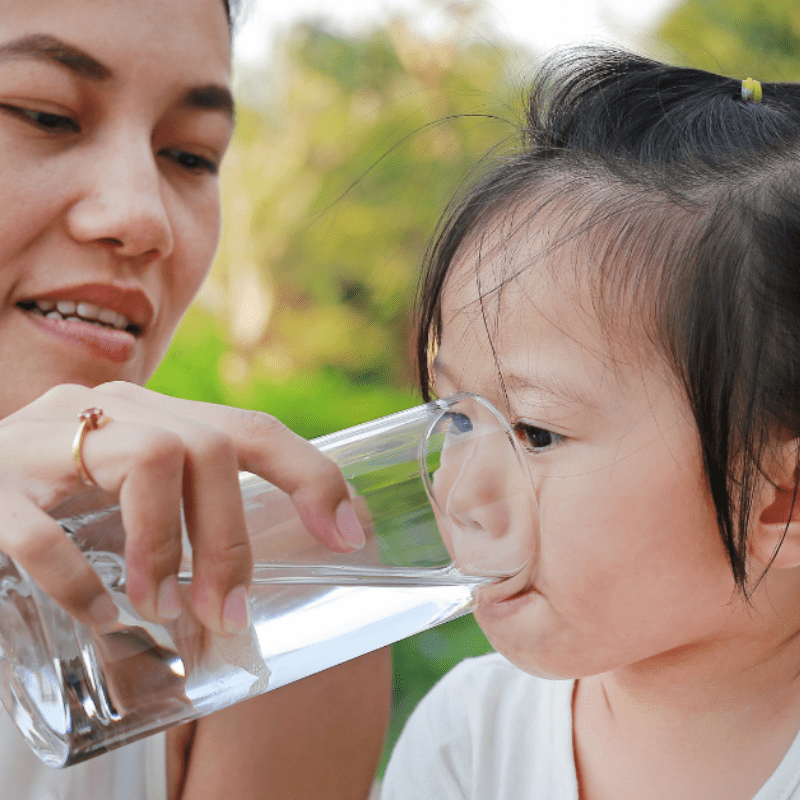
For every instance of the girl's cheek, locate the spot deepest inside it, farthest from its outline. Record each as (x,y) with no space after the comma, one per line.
(441,485)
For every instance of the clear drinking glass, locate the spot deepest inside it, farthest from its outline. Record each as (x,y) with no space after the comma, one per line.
(448,505)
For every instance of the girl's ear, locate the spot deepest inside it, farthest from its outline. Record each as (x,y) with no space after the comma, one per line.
(775,533)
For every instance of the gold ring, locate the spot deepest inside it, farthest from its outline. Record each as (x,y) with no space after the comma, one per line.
(91,419)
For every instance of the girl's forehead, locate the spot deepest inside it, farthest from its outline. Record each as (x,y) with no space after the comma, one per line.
(575,260)
(501,303)
(511,272)
(517,303)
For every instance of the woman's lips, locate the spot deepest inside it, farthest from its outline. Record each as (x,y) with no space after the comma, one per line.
(117,346)
(87,311)
(104,319)
(97,301)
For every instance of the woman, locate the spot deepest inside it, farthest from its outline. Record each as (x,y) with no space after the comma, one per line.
(114,118)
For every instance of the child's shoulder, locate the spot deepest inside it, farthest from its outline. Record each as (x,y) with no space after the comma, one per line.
(491,686)
(494,673)
(487,729)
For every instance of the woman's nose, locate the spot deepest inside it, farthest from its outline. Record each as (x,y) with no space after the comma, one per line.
(122,203)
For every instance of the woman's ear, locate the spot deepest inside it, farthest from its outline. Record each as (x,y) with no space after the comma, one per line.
(775,532)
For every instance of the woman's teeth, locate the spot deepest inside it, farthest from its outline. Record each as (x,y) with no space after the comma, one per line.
(84,311)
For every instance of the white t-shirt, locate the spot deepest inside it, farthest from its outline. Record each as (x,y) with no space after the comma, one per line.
(488,731)
(134,772)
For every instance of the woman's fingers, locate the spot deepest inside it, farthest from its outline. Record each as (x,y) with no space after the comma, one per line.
(221,556)
(316,485)
(161,455)
(149,483)
(155,462)
(268,448)
(174,461)
(36,542)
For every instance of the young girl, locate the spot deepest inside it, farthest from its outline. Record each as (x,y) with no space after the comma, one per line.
(114,118)
(626,289)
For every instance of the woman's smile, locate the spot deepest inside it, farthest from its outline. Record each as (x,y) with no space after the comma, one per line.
(82,311)
(105,320)
(101,341)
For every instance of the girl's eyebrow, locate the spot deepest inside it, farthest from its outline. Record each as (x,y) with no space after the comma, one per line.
(44,47)
(550,387)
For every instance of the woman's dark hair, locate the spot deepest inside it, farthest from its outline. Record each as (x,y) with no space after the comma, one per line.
(690,194)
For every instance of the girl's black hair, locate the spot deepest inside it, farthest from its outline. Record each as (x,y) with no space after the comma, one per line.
(231,10)
(691,197)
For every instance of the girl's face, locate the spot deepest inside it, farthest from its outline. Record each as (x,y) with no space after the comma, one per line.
(114,117)
(631,566)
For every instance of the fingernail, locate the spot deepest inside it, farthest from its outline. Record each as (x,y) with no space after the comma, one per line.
(103,610)
(235,614)
(349,527)
(169,599)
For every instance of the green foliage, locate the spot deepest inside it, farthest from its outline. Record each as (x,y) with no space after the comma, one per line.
(311,404)
(190,367)
(737,37)
(334,188)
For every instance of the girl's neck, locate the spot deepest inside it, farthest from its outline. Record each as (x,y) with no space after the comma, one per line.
(711,720)
(626,749)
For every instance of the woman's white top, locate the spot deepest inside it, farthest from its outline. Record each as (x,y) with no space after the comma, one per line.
(135,772)
(488,731)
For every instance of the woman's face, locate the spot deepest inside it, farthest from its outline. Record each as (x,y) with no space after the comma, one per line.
(631,567)
(114,117)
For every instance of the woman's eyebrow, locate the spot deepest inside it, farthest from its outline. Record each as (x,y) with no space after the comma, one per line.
(44,47)
(210,98)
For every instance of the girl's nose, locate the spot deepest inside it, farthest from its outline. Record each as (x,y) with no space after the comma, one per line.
(475,499)
(489,505)
(122,203)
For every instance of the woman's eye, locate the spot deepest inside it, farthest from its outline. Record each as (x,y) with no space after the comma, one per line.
(191,161)
(45,120)
(534,438)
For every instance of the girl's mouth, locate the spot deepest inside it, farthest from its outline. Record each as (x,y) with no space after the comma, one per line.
(80,311)
(504,593)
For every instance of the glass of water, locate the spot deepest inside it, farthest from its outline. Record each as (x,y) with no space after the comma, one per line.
(448,505)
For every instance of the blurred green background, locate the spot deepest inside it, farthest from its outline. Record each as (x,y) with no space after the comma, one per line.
(332,190)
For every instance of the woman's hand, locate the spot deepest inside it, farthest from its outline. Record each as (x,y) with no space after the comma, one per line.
(158,454)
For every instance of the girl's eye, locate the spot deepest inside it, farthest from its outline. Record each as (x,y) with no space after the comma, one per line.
(45,120)
(458,423)
(191,161)
(534,438)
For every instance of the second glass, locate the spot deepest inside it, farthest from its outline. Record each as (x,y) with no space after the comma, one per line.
(447,503)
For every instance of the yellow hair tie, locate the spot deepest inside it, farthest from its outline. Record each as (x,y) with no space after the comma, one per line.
(751,90)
